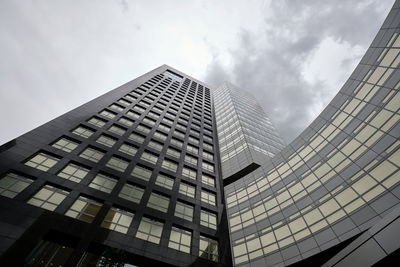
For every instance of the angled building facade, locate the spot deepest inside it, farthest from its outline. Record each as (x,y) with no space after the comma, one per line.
(165,170)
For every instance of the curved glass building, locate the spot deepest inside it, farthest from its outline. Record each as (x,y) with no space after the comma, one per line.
(168,171)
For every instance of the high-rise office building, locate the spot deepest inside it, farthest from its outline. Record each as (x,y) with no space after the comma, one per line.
(165,170)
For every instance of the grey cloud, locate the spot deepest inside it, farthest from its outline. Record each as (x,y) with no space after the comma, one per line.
(293,31)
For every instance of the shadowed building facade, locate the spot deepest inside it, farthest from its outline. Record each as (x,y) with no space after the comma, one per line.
(165,170)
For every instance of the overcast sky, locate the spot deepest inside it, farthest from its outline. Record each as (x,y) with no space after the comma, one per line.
(292,55)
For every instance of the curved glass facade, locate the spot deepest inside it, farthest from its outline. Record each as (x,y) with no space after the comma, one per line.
(336,179)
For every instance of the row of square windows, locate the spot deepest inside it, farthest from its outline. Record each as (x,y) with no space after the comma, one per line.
(106,183)
(86,209)
(68,145)
(120,163)
(179,131)
(165,98)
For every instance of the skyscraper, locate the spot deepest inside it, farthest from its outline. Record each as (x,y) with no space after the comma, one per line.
(165,170)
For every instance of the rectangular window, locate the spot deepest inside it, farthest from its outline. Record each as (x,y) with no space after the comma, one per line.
(208,219)
(65,144)
(193,149)
(164,128)
(169,165)
(208,166)
(208,248)
(180,239)
(97,122)
(149,121)
(160,136)
(92,154)
(73,172)
(128,149)
(42,161)
(165,181)
(103,183)
(176,142)
(184,211)
(83,131)
(194,140)
(173,153)
(158,202)
(108,114)
(190,173)
(84,209)
(150,230)
(143,129)
(124,102)
(106,140)
(132,193)
(190,159)
(136,137)
(49,197)
(133,114)
(155,145)
(141,172)
(126,121)
(149,157)
(208,156)
(12,184)
(187,190)
(117,130)
(208,197)
(208,180)
(116,107)
(117,163)
(118,220)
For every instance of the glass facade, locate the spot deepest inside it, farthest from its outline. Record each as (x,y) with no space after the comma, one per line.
(164,170)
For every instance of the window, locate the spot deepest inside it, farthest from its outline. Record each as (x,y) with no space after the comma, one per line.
(116,107)
(165,181)
(42,161)
(65,144)
(149,157)
(176,142)
(192,149)
(139,109)
(124,102)
(143,129)
(208,219)
(97,122)
(149,121)
(12,184)
(118,220)
(164,128)
(190,173)
(84,209)
(128,149)
(208,166)
(117,130)
(173,153)
(126,122)
(136,137)
(141,173)
(194,140)
(184,211)
(49,197)
(73,172)
(191,160)
(180,239)
(106,140)
(208,248)
(108,114)
(131,193)
(208,180)
(83,131)
(179,134)
(160,136)
(92,154)
(158,202)
(208,197)
(187,190)
(103,183)
(207,146)
(150,230)
(117,163)
(208,156)
(155,145)
(133,114)
(169,165)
